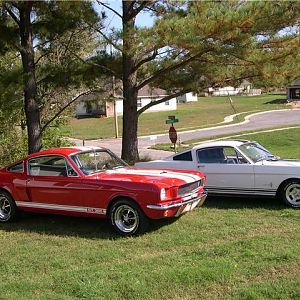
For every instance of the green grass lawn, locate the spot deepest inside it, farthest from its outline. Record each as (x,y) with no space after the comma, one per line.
(230,248)
(206,112)
(283,143)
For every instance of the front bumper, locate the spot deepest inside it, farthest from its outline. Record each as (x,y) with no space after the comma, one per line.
(180,207)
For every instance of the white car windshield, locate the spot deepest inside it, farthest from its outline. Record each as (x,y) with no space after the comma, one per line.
(94,161)
(256,152)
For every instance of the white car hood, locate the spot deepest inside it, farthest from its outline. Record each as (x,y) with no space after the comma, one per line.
(280,163)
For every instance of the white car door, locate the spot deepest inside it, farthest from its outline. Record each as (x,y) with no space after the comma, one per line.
(227,170)
(268,177)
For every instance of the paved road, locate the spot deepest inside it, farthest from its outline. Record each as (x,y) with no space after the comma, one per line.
(264,120)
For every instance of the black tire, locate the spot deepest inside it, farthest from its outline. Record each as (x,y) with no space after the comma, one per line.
(8,209)
(290,193)
(127,218)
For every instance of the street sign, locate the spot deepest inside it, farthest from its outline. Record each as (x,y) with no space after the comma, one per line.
(173,134)
(172,121)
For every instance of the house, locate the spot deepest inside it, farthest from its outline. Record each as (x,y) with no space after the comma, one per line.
(293,91)
(225,91)
(90,106)
(188,97)
(245,88)
(148,94)
(99,105)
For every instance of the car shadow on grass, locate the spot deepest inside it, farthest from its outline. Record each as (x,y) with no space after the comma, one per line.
(66,226)
(227,202)
(57,225)
(92,228)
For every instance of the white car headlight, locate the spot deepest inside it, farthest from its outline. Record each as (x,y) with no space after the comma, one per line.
(162,194)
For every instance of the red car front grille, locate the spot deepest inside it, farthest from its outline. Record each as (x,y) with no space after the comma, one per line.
(189,188)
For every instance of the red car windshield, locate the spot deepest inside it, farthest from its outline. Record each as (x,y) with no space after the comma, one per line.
(90,162)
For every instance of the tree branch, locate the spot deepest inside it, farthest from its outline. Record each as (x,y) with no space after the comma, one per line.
(108,39)
(69,42)
(145,60)
(11,13)
(136,11)
(109,8)
(41,56)
(164,99)
(168,69)
(64,108)
(94,64)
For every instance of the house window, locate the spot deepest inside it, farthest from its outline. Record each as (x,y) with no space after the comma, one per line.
(167,102)
(139,102)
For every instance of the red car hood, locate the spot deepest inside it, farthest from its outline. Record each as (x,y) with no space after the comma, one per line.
(165,177)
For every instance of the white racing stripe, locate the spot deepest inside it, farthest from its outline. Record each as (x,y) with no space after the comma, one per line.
(86,148)
(92,210)
(188,178)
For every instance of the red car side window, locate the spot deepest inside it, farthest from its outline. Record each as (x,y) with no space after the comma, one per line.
(18,168)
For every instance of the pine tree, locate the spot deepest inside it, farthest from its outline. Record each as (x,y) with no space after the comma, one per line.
(194,45)
(30,29)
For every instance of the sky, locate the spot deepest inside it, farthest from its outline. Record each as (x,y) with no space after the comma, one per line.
(143,19)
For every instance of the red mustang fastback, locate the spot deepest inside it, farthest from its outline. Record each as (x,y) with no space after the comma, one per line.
(93,182)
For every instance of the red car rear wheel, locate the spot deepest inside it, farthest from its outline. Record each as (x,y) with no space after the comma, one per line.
(8,209)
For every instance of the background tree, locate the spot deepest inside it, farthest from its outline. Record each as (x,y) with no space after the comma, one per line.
(10,109)
(194,45)
(43,34)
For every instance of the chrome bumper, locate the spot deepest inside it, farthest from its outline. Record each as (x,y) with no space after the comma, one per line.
(200,199)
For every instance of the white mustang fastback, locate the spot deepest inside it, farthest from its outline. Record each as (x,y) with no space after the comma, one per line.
(239,167)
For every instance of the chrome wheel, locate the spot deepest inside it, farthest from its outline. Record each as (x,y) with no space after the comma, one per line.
(5,208)
(126,218)
(292,194)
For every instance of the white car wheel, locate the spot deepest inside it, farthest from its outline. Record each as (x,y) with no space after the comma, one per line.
(291,193)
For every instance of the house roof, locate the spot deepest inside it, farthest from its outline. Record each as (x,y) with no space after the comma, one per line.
(148,91)
(245,82)
(296,82)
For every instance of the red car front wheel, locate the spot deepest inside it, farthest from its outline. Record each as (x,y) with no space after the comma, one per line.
(127,218)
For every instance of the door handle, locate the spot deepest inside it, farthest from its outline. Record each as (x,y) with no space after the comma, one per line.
(200,166)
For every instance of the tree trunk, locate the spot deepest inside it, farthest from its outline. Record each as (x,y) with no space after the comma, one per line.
(130,115)
(30,88)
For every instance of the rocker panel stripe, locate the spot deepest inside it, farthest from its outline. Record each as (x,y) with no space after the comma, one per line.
(241,191)
(91,210)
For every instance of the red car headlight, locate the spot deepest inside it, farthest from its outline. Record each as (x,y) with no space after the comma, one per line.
(167,194)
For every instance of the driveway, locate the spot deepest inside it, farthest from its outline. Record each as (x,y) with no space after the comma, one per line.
(253,122)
